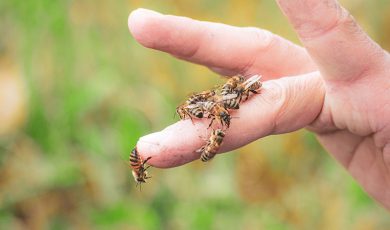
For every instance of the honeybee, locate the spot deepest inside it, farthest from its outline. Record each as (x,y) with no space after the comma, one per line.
(218,112)
(237,85)
(232,85)
(252,85)
(229,101)
(200,97)
(190,110)
(193,106)
(209,150)
(138,167)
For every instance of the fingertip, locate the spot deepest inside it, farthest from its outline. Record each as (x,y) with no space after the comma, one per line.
(141,22)
(149,146)
(171,147)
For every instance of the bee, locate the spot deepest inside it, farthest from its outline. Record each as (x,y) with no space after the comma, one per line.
(190,110)
(232,85)
(138,166)
(229,101)
(193,106)
(200,97)
(237,85)
(252,85)
(209,150)
(218,112)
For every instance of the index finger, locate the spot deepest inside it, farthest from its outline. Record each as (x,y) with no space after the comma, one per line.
(226,49)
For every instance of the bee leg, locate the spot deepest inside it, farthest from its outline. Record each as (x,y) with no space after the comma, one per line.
(239,100)
(246,96)
(212,120)
(146,160)
(189,115)
(223,122)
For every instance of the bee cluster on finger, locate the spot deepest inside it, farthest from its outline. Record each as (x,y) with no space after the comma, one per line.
(215,104)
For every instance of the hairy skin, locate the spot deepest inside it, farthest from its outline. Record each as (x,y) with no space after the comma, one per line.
(337,85)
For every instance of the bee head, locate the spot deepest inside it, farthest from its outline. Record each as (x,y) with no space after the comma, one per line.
(223,114)
(136,176)
(199,115)
(140,177)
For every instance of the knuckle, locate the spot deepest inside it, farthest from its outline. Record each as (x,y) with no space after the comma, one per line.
(263,39)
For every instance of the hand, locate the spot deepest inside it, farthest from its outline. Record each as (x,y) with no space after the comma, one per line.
(337,86)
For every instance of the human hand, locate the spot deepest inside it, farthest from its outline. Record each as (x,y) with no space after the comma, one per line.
(336,86)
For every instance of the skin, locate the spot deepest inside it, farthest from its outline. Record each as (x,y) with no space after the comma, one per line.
(337,86)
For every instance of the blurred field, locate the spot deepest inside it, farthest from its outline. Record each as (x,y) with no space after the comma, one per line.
(80,83)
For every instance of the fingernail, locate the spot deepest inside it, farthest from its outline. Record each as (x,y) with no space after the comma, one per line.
(147,11)
(141,13)
(142,23)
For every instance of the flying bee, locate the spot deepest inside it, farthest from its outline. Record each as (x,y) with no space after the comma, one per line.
(209,150)
(138,166)
(217,112)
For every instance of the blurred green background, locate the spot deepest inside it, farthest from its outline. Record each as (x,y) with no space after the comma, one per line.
(80,84)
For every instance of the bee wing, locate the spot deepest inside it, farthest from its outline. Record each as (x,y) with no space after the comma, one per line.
(192,106)
(250,81)
(200,150)
(227,97)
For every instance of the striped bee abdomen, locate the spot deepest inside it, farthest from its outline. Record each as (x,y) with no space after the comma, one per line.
(211,148)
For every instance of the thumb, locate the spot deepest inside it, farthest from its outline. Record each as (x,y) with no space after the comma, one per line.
(283,105)
(333,39)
